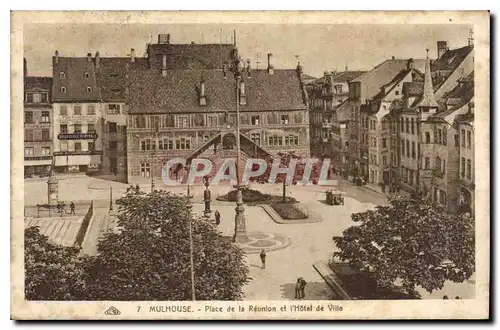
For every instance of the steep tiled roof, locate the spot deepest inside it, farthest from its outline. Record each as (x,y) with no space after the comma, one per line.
(44,83)
(190,56)
(74,79)
(463,90)
(466,118)
(178,91)
(451,59)
(111,78)
(346,76)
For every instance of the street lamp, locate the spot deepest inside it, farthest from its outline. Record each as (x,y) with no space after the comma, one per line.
(190,220)
(240,234)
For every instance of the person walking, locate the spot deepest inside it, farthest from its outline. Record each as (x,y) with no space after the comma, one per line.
(302,288)
(217,217)
(297,288)
(72,208)
(263,258)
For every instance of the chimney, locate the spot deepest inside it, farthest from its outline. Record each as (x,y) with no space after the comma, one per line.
(442,47)
(270,67)
(203,99)
(168,38)
(243,95)
(97,59)
(164,38)
(410,65)
(249,69)
(393,57)
(132,55)
(299,71)
(89,57)
(164,65)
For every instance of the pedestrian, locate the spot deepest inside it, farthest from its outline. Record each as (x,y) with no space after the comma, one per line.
(263,258)
(302,288)
(72,208)
(297,288)
(137,188)
(217,217)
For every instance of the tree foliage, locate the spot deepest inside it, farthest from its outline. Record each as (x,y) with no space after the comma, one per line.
(52,272)
(147,258)
(410,243)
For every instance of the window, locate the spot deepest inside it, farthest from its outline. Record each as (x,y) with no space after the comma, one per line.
(255,120)
(91,128)
(408,148)
(113,145)
(407,121)
(91,146)
(403,148)
(167,144)
(28,151)
(402,125)
(444,166)
(440,136)
(442,197)
(45,117)
(28,135)
(63,128)
(384,160)
(45,151)
(445,137)
(183,121)
(384,142)
(45,135)
(89,89)
(462,167)
(145,170)
(469,140)
(78,146)
(374,142)
(427,137)
(183,144)
(64,146)
(87,75)
(147,145)
(63,110)
(410,177)
(427,163)
(90,109)
(338,89)
(112,127)
(463,138)
(212,121)
(77,128)
(412,126)
(29,97)
(28,117)
(77,110)
(63,90)
(413,154)
(396,92)
(457,140)
(469,169)
(285,119)
(255,137)
(394,126)
(274,140)
(438,163)
(291,140)
(62,75)
(113,109)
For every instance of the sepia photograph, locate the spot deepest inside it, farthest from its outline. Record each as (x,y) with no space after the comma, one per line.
(283,167)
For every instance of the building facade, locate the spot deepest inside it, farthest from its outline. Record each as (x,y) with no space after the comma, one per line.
(38,117)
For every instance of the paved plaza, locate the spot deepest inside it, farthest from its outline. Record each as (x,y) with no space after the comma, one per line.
(308,242)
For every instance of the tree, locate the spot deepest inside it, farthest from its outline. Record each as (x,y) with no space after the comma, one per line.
(52,272)
(411,243)
(149,258)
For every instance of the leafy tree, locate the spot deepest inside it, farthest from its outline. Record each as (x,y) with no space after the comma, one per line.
(409,243)
(149,258)
(52,272)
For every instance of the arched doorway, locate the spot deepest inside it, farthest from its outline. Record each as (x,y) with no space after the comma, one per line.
(465,201)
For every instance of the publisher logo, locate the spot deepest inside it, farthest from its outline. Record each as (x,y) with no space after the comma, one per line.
(112,311)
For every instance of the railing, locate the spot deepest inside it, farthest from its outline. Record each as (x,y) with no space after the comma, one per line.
(77,152)
(85,225)
(37,157)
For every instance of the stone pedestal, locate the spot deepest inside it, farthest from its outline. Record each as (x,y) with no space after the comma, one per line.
(240,230)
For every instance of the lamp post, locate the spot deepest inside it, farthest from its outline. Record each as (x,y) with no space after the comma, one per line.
(190,220)
(240,234)
(207,197)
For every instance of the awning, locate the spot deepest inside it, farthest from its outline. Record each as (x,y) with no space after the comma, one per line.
(67,160)
(37,162)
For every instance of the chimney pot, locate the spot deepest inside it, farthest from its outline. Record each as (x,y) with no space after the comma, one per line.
(270,67)
(57,57)
(97,59)
(89,57)
(442,47)
(392,58)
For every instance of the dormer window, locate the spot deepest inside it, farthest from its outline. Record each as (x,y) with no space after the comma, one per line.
(89,89)
(62,75)
(63,90)
(87,75)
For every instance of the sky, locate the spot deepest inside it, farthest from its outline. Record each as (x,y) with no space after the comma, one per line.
(319,47)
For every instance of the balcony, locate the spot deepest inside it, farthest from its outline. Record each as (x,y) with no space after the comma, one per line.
(77,152)
(77,136)
(46,157)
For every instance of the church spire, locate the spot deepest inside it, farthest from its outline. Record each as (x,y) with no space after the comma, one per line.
(428,98)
